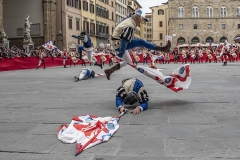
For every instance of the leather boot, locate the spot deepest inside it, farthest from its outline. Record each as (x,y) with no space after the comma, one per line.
(109,71)
(97,64)
(165,48)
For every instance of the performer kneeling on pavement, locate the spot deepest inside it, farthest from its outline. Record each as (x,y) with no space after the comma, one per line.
(87,47)
(122,40)
(85,73)
(131,91)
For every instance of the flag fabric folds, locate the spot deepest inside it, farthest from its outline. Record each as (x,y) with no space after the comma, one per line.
(87,131)
(49,46)
(180,79)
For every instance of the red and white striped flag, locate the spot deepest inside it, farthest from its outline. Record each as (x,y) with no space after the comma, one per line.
(88,131)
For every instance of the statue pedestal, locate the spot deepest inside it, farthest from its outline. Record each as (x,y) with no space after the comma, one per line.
(28,45)
(5,43)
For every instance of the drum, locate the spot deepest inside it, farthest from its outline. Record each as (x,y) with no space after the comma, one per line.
(136,58)
(103,58)
(74,59)
(193,56)
(183,56)
(234,55)
(209,56)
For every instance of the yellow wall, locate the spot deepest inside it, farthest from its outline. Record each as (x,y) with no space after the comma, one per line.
(143,29)
(156,29)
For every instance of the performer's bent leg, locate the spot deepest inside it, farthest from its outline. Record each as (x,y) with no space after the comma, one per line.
(142,43)
(126,57)
(89,55)
(44,64)
(81,76)
(39,64)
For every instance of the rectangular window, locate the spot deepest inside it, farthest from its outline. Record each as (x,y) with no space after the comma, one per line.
(19,31)
(112,3)
(180,26)
(85,26)
(238,26)
(70,22)
(78,24)
(194,26)
(100,28)
(160,23)
(35,29)
(91,8)
(72,3)
(160,36)
(103,29)
(209,26)
(77,4)
(85,5)
(97,29)
(92,28)
(68,2)
(223,26)
(107,29)
(80,4)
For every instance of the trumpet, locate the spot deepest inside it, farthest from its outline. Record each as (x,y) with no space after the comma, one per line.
(209,56)
(103,58)
(136,58)
(183,56)
(193,56)
(74,59)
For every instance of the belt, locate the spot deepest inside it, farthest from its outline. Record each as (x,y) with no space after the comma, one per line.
(114,39)
(116,44)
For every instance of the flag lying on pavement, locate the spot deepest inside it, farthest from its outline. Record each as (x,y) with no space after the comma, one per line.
(88,130)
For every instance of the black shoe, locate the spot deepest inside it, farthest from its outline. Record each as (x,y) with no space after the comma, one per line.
(76,79)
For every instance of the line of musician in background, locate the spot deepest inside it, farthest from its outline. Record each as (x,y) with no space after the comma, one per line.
(187,54)
(197,54)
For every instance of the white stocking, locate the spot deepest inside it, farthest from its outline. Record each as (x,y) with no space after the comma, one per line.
(127,58)
(82,74)
(89,55)
(40,62)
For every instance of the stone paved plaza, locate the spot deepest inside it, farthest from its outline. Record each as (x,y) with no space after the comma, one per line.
(196,124)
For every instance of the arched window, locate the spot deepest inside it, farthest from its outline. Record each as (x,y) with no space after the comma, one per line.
(195,40)
(209,39)
(223,39)
(209,12)
(238,11)
(223,11)
(180,12)
(112,16)
(195,12)
(181,40)
(160,12)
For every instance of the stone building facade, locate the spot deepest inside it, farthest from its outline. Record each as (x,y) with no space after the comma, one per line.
(203,21)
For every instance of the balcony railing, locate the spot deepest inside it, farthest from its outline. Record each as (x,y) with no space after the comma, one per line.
(92,32)
(100,34)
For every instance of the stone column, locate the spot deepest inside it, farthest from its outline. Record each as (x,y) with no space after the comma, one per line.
(49,11)
(1,15)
